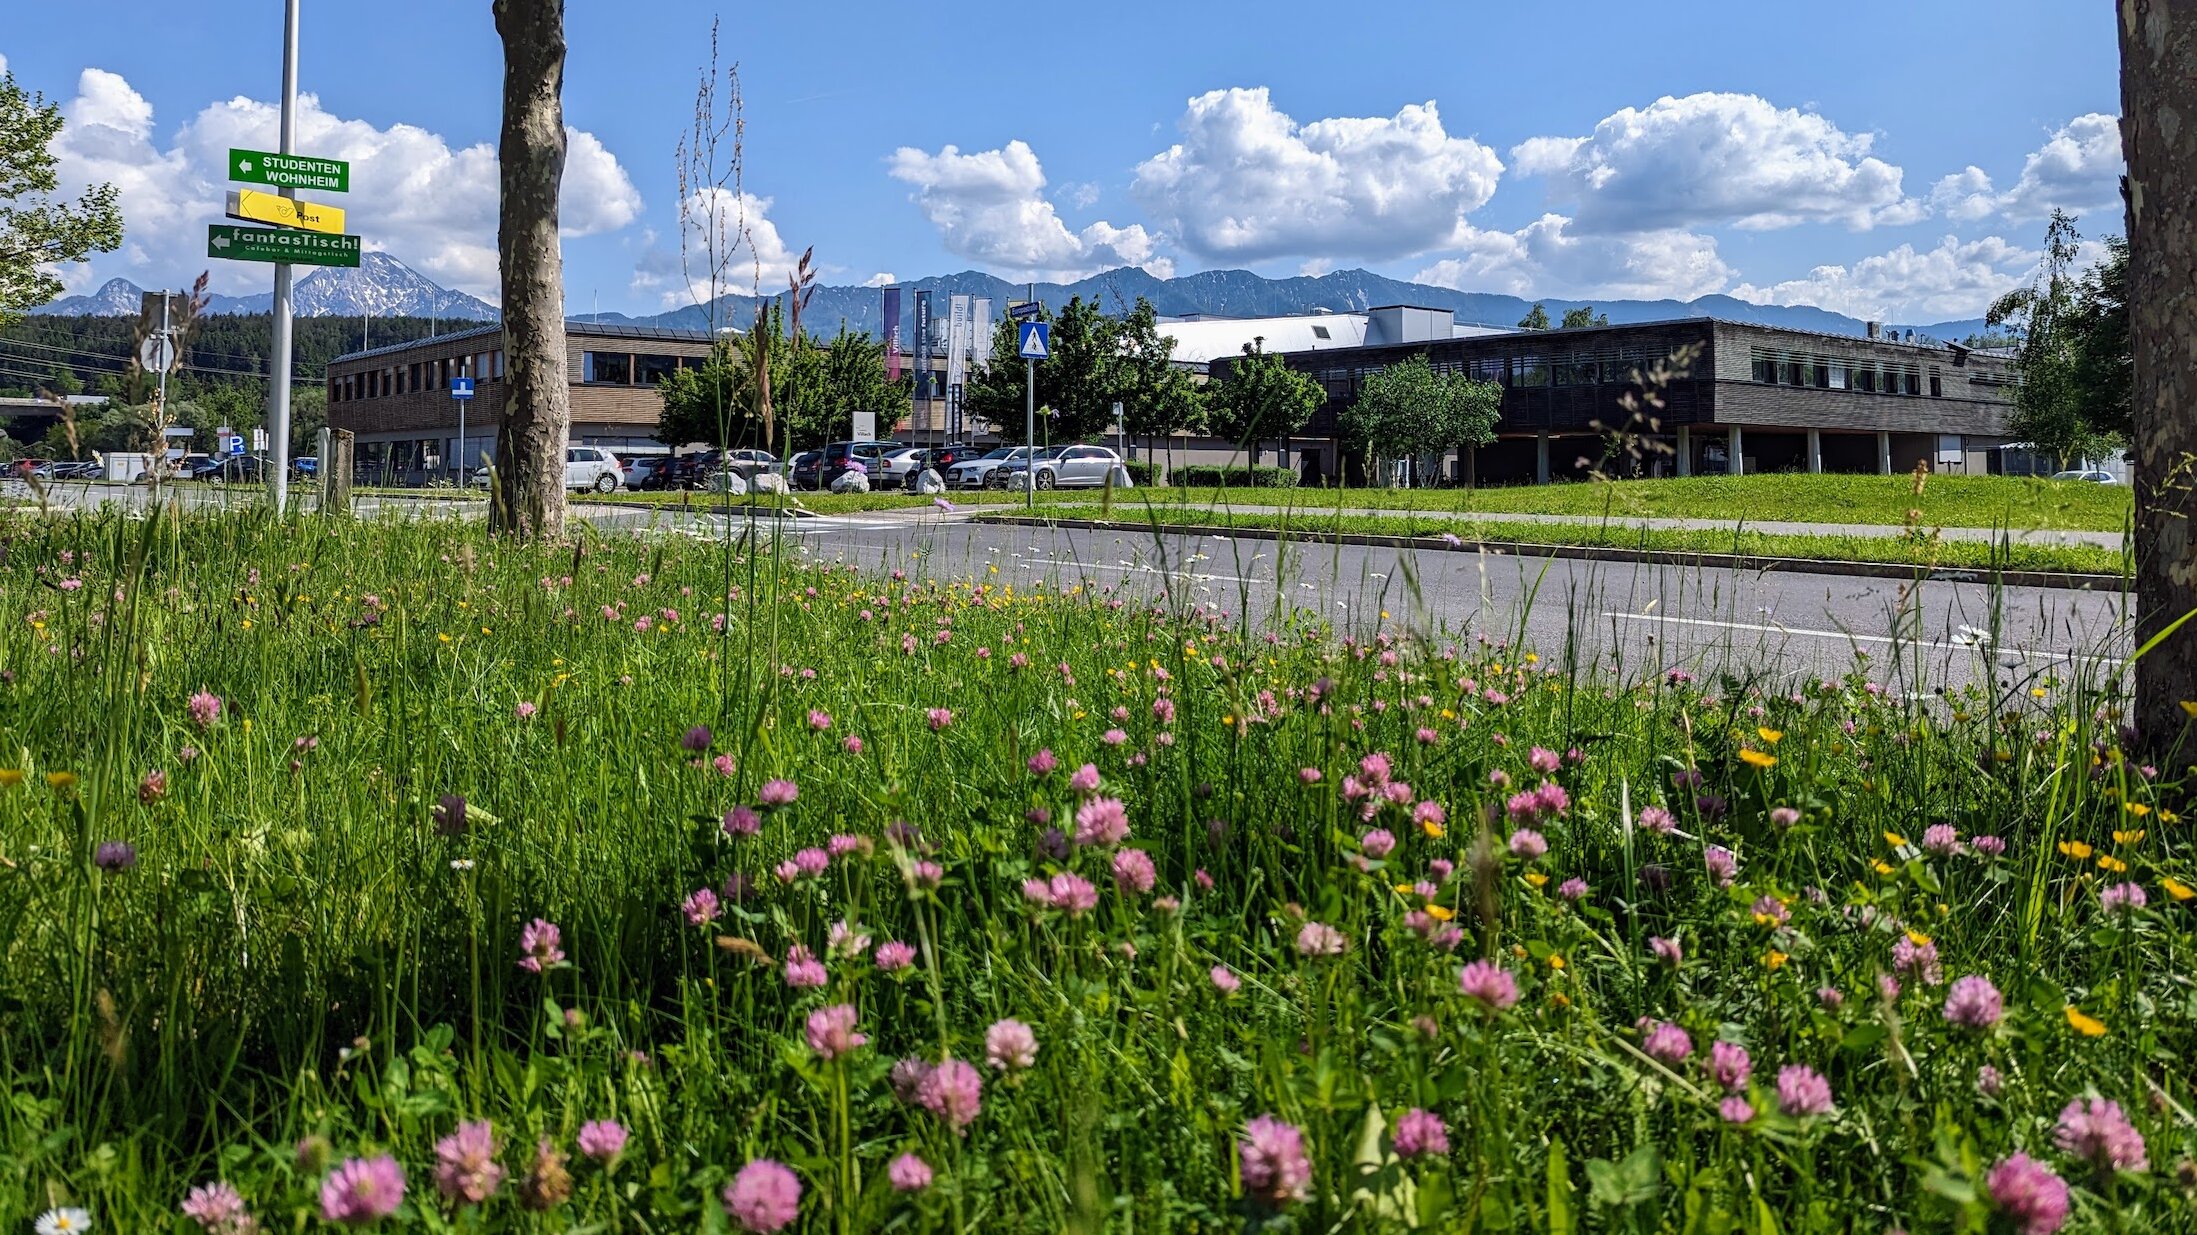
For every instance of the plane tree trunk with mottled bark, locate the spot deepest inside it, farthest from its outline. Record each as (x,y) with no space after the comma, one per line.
(2159,137)
(530,445)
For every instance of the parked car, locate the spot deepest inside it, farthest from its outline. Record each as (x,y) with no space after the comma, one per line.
(592,467)
(901,466)
(747,464)
(2096,476)
(836,460)
(305,465)
(972,473)
(226,469)
(1062,467)
(944,458)
(645,472)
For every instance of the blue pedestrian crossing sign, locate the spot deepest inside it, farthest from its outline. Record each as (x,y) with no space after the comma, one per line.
(461,387)
(1037,341)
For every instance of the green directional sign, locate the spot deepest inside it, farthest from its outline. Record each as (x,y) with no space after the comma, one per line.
(267,244)
(289,171)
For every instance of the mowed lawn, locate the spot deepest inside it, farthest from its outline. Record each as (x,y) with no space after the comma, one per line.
(1944,501)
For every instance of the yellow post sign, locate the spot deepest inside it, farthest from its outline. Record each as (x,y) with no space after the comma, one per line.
(253,206)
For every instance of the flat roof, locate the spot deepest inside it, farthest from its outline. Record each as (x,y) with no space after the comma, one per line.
(576,329)
(1934,345)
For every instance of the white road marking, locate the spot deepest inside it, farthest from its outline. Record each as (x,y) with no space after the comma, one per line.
(1849,637)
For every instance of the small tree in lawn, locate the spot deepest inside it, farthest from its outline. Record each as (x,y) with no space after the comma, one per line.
(1260,396)
(2050,404)
(1158,399)
(855,378)
(1408,410)
(1077,383)
(709,402)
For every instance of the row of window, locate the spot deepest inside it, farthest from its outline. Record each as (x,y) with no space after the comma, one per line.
(630,369)
(1882,377)
(1615,367)
(414,377)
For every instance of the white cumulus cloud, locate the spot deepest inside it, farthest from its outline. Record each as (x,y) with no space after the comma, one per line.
(732,247)
(990,207)
(413,195)
(2078,169)
(1248,183)
(1549,257)
(1716,159)
(1957,279)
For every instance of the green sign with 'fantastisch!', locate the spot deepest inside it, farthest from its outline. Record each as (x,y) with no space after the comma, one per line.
(267,244)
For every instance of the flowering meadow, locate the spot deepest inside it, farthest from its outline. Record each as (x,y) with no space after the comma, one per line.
(383,876)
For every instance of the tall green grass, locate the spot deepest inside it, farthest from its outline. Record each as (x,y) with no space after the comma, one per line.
(314,954)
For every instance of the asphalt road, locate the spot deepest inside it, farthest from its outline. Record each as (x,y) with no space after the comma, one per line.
(1638,617)
(1770,627)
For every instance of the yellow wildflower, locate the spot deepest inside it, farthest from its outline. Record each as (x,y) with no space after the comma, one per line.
(2137,809)
(10,777)
(2189,706)
(1772,736)
(1555,961)
(1757,758)
(1431,828)
(2107,862)
(2087,1026)
(2128,838)
(1441,913)
(60,780)
(1883,867)
(2074,849)
(1895,840)
(1774,959)
(1917,938)
(1536,878)
(444,637)
(2177,889)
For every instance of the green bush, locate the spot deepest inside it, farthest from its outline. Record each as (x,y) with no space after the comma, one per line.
(1145,473)
(1209,476)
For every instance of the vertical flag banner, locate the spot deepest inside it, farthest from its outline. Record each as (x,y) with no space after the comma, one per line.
(892,334)
(980,333)
(920,348)
(957,341)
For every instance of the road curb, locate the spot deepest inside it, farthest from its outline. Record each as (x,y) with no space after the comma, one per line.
(1598,553)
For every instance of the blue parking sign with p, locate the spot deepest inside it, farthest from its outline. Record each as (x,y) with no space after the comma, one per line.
(1037,340)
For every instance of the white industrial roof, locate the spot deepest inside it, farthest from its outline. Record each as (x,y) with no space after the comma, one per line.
(1197,342)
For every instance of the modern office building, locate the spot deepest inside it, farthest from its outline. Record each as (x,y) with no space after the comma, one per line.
(1753,398)
(397,399)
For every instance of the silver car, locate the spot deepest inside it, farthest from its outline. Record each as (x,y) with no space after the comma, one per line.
(1063,467)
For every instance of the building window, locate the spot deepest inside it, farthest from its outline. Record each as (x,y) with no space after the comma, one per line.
(1765,368)
(1914,382)
(1865,380)
(654,369)
(499,364)
(1937,383)
(1320,332)
(1795,374)
(1819,371)
(1838,376)
(607,368)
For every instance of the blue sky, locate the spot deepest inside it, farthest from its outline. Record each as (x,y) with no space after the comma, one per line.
(1889,159)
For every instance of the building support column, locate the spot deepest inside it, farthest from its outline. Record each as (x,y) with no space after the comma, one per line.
(1815,452)
(1541,457)
(1884,454)
(1685,450)
(1735,445)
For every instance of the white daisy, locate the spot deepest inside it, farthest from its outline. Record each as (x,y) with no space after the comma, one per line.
(63,1222)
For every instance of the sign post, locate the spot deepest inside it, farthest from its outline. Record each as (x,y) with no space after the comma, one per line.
(1037,344)
(461,389)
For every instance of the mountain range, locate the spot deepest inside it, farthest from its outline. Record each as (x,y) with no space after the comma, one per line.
(382,286)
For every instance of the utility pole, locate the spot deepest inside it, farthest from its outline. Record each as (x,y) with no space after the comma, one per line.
(278,415)
(1029,433)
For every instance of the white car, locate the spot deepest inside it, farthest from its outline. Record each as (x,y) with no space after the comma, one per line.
(900,467)
(2096,476)
(592,467)
(972,473)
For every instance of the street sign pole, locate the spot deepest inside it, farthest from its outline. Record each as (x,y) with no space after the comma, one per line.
(278,413)
(465,367)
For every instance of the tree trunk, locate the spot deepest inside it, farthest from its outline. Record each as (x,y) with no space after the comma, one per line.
(530,445)
(2159,138)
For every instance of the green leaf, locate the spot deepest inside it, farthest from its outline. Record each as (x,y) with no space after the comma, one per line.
(1560,1190)
(1864,1037)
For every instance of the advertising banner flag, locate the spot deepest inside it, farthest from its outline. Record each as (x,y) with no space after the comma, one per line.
(980,333)
(957,341)
(892,334)
(920,348)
